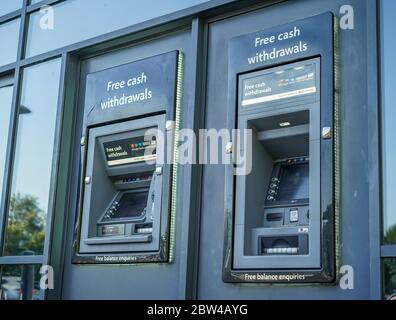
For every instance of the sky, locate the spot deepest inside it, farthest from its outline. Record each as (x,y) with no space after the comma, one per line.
(389,110)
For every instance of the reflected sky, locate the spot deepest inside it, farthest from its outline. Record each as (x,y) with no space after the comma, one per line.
(78,20)
(36,129)
(33,158)
(389,112)
(9,33)
(5,113)
(7,6)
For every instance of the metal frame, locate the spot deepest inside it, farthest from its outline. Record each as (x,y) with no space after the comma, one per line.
(373,81)
(17,69)
(194,118)
(383,251)
(11,138)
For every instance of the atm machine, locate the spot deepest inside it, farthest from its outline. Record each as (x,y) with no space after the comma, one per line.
(281,226)
(125,206)
(286,166)
(123,188)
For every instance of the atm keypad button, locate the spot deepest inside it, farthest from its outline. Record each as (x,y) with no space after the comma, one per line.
(293,215)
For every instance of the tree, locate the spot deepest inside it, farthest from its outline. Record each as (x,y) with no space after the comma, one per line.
(390,235)
(390,265)
(25,228)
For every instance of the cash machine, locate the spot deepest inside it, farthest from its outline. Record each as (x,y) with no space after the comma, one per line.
(280,228)
(125,213)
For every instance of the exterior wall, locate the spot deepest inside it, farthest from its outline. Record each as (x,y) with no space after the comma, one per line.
(355,183)
(202,35)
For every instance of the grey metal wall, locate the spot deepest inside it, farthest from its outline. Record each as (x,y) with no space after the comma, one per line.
(142,281)
(354,153)
(199,251)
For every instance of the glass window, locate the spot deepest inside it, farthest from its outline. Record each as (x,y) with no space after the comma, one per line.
(390,278)
(33,159)
(34,1)
(20,282)
(8,6)
(389,119)
(92,18)
(9,33)
(5,113)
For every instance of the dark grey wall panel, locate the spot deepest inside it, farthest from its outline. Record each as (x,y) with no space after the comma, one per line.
(143,281)
(354,153)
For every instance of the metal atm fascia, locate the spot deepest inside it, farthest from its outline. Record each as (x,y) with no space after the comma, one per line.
(158,108)
(93,244)
(312,38)
(243,201)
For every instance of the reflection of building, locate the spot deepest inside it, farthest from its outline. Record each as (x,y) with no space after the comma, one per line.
(24,110)
(53,80)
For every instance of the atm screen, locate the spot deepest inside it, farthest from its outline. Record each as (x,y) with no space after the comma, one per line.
(131,205)
(131,150)
(294,182)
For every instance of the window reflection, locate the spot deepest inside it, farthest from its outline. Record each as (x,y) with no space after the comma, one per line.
(9,34)
(389,118)
(91,18)
(390,278)
(8,6)
(5,113)
(33,159)
(20,282)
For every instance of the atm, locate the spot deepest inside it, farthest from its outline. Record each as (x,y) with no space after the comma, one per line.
(274,224)
(123,188)
(125,212)
(280,216)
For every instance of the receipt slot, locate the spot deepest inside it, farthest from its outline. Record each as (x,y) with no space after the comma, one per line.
(126,210)
(280,228)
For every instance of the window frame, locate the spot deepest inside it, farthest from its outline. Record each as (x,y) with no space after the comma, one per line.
(12,74)
(387,251)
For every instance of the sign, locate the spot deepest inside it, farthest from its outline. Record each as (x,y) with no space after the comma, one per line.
(132,89)
(278,85)
(130,150)
(282,44)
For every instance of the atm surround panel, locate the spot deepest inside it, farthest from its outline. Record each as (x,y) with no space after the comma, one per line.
(277,211)
(122,208)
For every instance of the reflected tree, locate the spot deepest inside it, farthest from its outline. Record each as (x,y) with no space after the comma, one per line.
(390,277)
(390,265)
(390,235)
(25,228)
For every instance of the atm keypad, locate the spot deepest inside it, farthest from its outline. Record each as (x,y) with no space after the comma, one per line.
(112,210)
(272,190)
